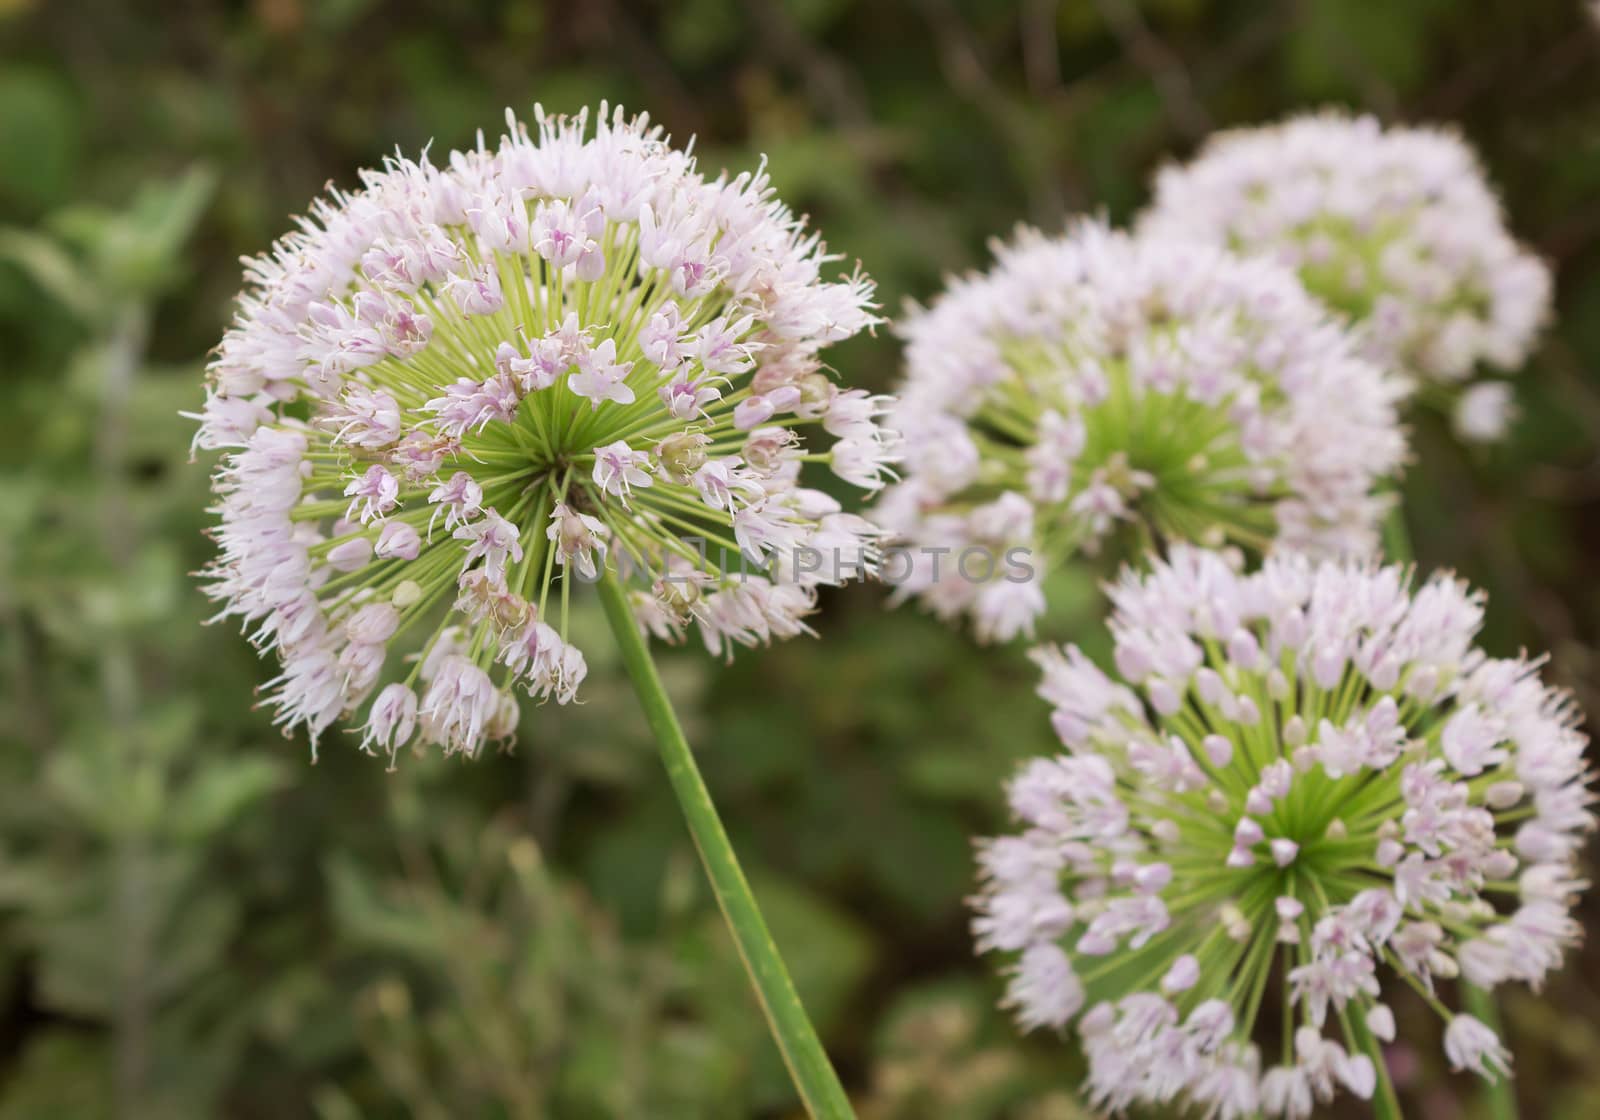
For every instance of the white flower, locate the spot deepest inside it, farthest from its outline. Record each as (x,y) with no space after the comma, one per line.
(1044,989)
(475,290)
(397,541)
(392,720)
(864,461)
(470,406)
(460,701)
(373,624)
(364,418)
(373,494)
(686,398)
(1191,851)
(721,484)
(662,340)
(350,555)
(600,378)
(1395,228)
(618,468)
(531,347)
(1380,1021)
(580,540)
(1183,974)
(1469,1044)
(1485,412)
(460,497)
(1127,390)
(495,541)
(564,234)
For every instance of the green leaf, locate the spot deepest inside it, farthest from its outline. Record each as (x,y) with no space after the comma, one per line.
(52,269)
(222,790)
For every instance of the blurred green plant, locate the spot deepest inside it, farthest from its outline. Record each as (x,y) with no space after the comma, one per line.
(944,1050)
(114,829)
(853,773)
(497,989)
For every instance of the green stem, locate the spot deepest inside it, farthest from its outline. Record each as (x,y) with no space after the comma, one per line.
(813,1076)
(1396,537)
(1481,1006)
(1385,1103)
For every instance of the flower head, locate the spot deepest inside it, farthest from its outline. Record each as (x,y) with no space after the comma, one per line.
(1308,777)
(1396,228)
(1097,388)
(461,383)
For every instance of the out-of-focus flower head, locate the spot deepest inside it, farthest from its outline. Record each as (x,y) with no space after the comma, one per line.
(1096,388)
(462,385)
(1397,228)
(1303,787)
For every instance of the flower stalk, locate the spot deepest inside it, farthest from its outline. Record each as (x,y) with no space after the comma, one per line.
(1385,1102)
(1501,1096)
(814,1078)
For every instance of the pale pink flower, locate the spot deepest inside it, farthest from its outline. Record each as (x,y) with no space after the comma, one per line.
(435,332)
(1191,810)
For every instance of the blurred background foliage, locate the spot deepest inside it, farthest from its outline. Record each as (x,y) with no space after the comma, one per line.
(196,922)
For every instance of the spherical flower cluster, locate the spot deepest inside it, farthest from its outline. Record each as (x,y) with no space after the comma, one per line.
(1098,386)
(460,385)
(1396,228)
(1307,790)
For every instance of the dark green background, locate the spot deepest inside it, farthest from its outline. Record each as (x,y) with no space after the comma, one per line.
(196,922)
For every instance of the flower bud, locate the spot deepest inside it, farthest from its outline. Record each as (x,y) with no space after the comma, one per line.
(682,454)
